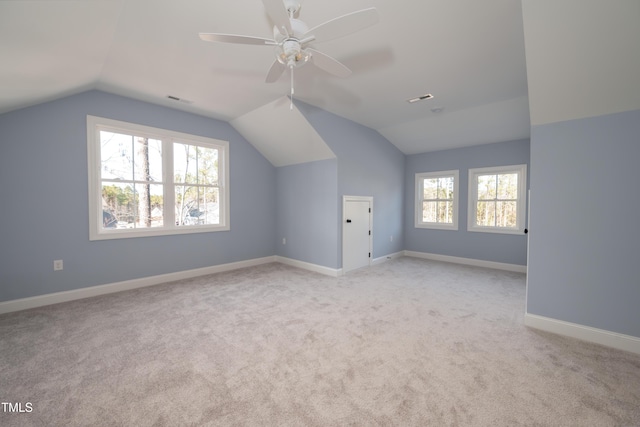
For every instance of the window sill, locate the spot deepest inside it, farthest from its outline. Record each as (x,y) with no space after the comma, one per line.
(128,234)
(437,227)
(496,230)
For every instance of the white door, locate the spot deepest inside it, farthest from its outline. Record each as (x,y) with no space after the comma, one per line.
(356,232)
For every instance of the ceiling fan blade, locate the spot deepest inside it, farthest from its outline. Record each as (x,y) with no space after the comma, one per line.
(328,64)
(232,38)
(344,25)
(278,14)
(275,71)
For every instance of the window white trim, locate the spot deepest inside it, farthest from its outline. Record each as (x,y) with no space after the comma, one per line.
(419,193)
(521,201)
(168,137)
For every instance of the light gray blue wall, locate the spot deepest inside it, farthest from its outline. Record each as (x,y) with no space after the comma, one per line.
(368,165)
(307,205)
(504,248)
(44,210)
(585,238)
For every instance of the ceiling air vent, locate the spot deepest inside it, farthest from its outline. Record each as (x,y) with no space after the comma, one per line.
(420,98)
(175,98)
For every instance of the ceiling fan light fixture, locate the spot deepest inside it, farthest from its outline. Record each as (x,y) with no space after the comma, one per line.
(291,54)
(303,57)
(420,98)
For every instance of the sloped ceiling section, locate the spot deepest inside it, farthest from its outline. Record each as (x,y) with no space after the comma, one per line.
(282,134)
(604,61)
(499,121)
(52,49)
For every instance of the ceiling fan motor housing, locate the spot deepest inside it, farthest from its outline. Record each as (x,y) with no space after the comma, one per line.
(290,51)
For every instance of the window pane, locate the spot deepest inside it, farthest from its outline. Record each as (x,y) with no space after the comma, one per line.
(116,156)
(209,204)
(185,166)
(430,189)
(506,214)
(157,205)
(207,166)
(148,159)
(429,211)
(486,214)
(197,205)
(445,188)
(508,186)
(111,200)
(185,195)
(118,202)
(486,187)
(445,212)
(148,215)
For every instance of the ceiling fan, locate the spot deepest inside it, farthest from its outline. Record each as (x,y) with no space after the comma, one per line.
(292,38)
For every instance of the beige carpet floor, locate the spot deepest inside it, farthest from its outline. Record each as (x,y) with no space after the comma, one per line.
(408,342)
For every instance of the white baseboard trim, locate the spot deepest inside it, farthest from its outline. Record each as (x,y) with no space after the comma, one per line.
(468,261)
(386,258)
(333,272)
(584,333)
(58,297)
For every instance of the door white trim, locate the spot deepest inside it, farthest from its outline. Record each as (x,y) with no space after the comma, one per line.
(346,199)
(527,225)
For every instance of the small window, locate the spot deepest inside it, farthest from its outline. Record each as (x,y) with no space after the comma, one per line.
(437,200)
(497,199)
(146,181)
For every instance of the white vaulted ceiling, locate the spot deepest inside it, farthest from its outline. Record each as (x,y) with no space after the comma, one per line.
(469,54)
(283,135)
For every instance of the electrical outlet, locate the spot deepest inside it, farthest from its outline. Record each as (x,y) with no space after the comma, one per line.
(391,238)
(284,240)
(57,265)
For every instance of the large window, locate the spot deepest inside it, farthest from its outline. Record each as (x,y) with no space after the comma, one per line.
(437,200)
(146,181)
(497,199)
